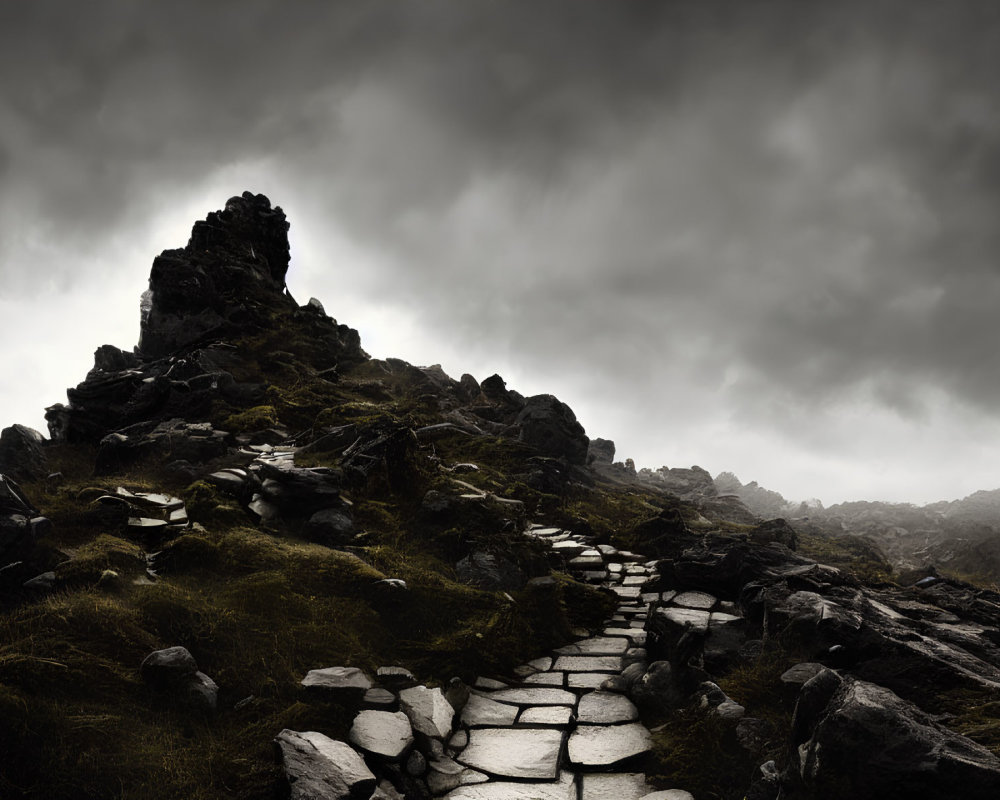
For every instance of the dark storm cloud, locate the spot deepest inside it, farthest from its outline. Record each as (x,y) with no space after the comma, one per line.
(781,203)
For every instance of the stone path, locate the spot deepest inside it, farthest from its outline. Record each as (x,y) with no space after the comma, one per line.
(550,732)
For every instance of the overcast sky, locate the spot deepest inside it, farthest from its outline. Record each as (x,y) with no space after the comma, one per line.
(756,236)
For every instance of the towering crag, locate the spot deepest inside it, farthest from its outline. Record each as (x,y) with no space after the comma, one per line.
(246,537)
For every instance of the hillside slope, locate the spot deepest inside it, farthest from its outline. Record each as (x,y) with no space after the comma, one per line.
(248,497)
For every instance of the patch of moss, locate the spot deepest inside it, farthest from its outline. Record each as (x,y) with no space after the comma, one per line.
(257,418)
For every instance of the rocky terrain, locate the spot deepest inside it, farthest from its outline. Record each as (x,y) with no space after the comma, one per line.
(250,561)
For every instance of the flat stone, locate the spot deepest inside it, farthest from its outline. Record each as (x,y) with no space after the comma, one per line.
(606,708)
(568,547)
(489,683)
(668,794)
(596,646)
(614,786)
(634,580)
(626,592)
(800,673)
(681,617)
(700,600)
(586,680)
(379,699)
(666,597)
(429,711)
(547,531)
(589,663)
(384,733)
(615,568)
(337,678)
(546,715)
(535,696)
(514,753)
(586,562)
(563,789)
(481,711)
(547,679)
(604,745)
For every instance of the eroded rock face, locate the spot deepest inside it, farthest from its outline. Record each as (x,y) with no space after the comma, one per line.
(233,254)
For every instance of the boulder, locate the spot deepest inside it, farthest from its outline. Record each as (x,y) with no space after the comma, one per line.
(348,682)
(320,768)
(170,667)
(866,742)
(551,426)
(21,454)
(428,710)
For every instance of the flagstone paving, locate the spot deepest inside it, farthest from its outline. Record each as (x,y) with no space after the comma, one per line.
(550,732)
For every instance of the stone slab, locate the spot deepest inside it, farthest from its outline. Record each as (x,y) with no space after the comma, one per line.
(535,696)
(587,680)
(514,752)
(596,646)
(563,789)
(546,715)
(606,708)
(481,711)
(614,786)
(605,745)
(589,663)
(557,679)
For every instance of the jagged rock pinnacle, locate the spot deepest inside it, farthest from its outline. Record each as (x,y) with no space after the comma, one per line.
(231,270)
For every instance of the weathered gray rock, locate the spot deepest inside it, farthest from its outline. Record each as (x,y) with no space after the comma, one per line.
(605,745)
(514,752)
(202,693)
(349,681)
(429,712)
(551,426)
(384,733)
(563,789)
(330,526)
(559,716)
(869,743)
(614,786)
(532,696)
(21,453)
(605,708)
(167,668)
(482,712)
(320,768)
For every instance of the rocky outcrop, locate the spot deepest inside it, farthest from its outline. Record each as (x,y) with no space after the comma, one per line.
(551,426)
(865,742)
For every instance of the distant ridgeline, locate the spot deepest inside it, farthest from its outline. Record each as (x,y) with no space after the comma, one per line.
(254,562)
